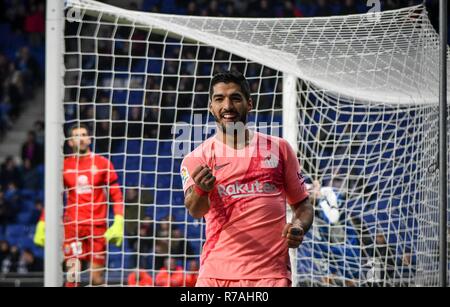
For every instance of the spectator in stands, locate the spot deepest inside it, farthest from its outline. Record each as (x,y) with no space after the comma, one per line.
(28,263)
(15,90)
(151,122)
(140,233)
(4,67)
(12,201)
(135,122)
(10,263)
(180,248)
(391,4)
(118,130)
(102,137)
(144,244)
(30,176)
(10,173)
(32,150)
(36,212)
(349,7)
(260,9)
(322,8)
(16,15)
(289,10)
(140,278)
(34,23)
(162,242)
(170,275)
(2,12)
(103,109)
(133,211)
(192,273)
(192,9)
(39,129)
(3,213)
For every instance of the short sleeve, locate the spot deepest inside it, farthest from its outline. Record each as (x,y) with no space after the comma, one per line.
(294,182)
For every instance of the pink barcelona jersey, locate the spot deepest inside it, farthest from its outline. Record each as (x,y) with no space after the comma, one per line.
(247,206)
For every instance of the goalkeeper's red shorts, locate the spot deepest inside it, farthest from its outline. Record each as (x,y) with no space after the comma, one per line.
(86,243)
(252,283)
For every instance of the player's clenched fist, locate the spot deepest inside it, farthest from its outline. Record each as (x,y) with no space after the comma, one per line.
(204,178)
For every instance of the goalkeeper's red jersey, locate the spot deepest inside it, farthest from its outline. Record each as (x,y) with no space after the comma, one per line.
(87,180)
(247,211)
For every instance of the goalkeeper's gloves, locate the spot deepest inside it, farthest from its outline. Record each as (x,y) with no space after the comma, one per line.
(39,235)
(114,234)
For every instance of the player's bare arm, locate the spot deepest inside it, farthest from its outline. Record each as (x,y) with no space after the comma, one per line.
(302,220)
(197,200)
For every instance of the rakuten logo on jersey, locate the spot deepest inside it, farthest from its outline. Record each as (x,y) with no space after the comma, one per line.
(238,190)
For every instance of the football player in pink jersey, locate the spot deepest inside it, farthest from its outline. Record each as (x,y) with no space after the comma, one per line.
(239,181)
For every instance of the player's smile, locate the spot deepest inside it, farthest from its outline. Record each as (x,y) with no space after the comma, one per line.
(229,105)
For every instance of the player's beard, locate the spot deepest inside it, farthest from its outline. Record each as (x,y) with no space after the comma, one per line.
(81,152)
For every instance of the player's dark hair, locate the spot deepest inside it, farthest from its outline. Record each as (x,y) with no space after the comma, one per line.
(231,77)
(78,126)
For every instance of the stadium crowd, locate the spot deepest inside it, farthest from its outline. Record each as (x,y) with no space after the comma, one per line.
(22,25)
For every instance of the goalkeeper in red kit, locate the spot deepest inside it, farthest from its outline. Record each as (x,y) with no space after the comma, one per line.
(86,177)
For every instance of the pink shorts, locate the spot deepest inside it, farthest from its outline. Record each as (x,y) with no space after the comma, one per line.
(251,283)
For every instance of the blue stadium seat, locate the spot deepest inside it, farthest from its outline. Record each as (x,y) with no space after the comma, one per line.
(162,212)
(165,149)
(179,214)
(119,97)
(16,231)
(164,165)
(24,218)
(118,161)
(149,164)
(133,163)
(178,199)
(28,194)
(164,181)
(26,242)
(162,197)
(39,55)
(148,180)
(150,212)
(136,98)
(5,31)
(27,205)
(38,251)
(139,66)
(177,183)
(133,147)
(168,6)
(196,246)
(154,66)
(194,231)
(176,165)
(115,260)
(132,179)
(185,118)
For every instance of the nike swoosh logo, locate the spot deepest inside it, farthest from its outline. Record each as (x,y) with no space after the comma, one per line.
(219,167)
